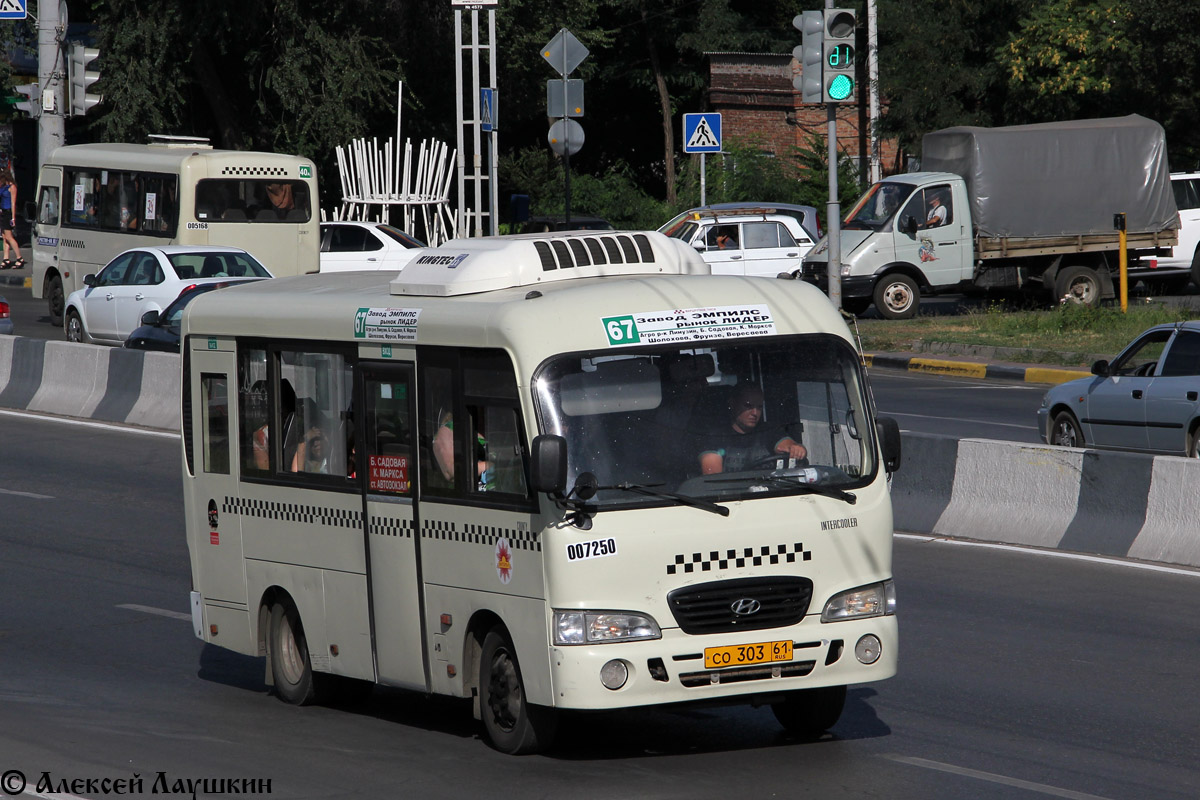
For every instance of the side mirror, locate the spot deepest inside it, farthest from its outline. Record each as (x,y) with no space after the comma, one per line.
(889,442)
(30,210)
(549,464)
(700,246)
(1100,368)
(150,318)
(908,225)
(89,280)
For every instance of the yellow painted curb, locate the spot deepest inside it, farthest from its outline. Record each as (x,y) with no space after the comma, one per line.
(28,284)
(938,367)
(1050,375)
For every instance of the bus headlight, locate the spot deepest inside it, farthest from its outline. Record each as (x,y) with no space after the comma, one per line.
(876,600)
(592,627)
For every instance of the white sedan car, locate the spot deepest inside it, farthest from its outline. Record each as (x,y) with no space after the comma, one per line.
(113,301)
(347,246)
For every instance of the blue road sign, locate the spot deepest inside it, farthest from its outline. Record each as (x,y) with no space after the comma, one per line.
(14,9)
(702,133)
(487,110)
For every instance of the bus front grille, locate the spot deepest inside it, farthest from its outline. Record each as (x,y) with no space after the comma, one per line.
(794,669)
(748,604)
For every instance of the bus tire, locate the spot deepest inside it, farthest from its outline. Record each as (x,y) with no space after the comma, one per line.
(74,328)
(291,667)
(55,300)
(510,723)
(897,296)
(808,713)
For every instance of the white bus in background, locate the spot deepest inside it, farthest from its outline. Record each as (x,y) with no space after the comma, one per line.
(95,201)
(483,478)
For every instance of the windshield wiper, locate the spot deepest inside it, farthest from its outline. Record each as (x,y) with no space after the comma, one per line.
(790,482)
(681,499)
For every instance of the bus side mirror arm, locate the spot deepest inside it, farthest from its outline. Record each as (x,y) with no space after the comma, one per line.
(889,442)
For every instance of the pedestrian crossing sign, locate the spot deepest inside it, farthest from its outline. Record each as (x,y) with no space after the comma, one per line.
(702,133)
(15,9)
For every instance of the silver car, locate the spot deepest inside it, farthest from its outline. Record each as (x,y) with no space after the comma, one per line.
(1147,398)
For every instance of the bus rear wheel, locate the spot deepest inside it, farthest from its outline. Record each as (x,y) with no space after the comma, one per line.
(54,300)
(291,668)
(807,713)
(511,724)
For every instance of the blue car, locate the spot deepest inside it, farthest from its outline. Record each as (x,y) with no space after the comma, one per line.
(1146,399)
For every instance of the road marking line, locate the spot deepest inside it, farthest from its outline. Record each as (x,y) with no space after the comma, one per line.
(89,423)
(162,612)
(34,495)
(1041,788)
(1108,560)
(960,419)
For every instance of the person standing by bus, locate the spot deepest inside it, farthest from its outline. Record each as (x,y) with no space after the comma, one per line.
(8,220)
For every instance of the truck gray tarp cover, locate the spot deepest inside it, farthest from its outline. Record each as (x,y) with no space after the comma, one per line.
(1060,178)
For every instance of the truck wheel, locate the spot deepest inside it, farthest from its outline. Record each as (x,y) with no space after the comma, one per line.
(1077,284)
(897,296)
(808,713)
(510,722)
(54,300)
(855,305)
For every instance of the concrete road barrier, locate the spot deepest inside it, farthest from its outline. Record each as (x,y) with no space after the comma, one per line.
(1104,503)
(90,382)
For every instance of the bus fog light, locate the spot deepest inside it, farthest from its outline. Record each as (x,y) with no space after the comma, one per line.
(614,674)
(868,649)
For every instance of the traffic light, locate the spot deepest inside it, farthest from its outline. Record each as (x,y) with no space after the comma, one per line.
(811,25)
(81,78)
(32,104)
(838,51)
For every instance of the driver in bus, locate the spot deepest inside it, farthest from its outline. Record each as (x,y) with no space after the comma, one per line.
(744,444)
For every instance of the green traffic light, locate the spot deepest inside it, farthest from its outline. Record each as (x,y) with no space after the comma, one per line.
(841,87)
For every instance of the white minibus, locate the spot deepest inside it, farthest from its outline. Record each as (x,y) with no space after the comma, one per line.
(546,472)
(95,201)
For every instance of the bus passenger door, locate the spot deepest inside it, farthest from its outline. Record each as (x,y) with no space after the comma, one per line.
(214,489)
(385,462)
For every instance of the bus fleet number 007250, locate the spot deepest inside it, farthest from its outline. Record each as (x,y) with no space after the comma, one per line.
(593,549)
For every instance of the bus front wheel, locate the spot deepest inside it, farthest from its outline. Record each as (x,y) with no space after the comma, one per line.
(291,668)
(510,723)
(808,713)
(54,300)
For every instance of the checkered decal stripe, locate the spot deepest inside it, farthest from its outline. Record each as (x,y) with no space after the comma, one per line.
(717,559)
(293,512)
(392,527)
(273,171)
(480,534)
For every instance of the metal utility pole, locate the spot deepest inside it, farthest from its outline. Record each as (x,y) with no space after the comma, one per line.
(876,157)
(51,30)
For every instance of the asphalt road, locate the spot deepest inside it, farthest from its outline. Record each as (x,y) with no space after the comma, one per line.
(1022,675)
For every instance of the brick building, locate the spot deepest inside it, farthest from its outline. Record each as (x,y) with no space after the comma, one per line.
(754,94)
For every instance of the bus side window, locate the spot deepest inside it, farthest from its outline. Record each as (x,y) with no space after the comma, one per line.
(48,206)
(254,433)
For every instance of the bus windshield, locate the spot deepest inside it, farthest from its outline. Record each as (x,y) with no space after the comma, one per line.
(748,419)
(875,208)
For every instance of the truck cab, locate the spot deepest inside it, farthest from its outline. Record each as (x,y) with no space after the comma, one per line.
(905,234)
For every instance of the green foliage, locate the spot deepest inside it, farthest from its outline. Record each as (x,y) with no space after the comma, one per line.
(1068,56)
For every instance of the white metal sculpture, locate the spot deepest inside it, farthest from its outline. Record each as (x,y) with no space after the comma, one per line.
(376,179)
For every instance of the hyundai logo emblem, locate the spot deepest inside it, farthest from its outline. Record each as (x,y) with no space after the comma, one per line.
(745,607)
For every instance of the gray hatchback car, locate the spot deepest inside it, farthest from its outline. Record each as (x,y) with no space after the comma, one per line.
(1147,398)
